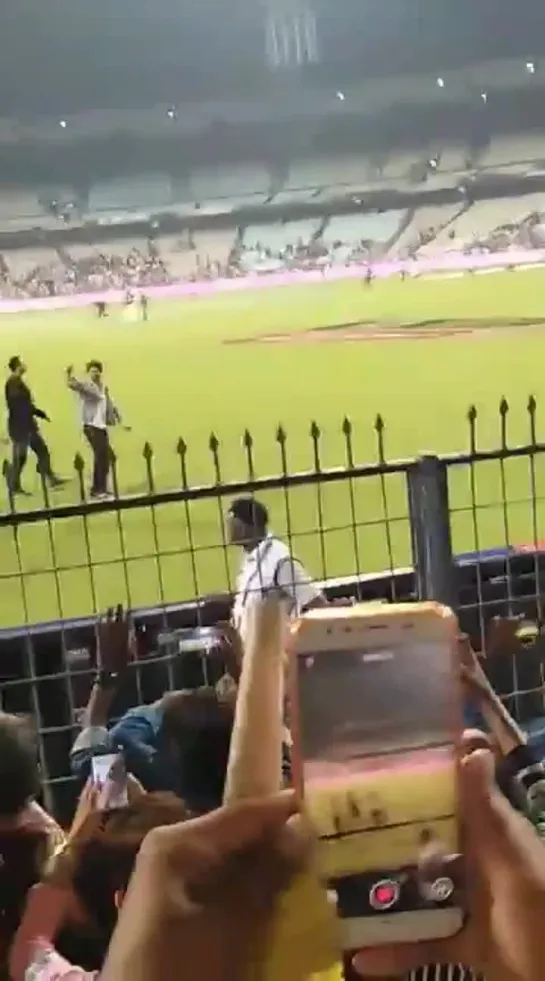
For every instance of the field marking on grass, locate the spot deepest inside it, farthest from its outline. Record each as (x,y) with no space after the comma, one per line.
(364,331)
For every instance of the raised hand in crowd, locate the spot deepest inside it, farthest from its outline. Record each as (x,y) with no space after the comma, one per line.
(116,647)
(232,649)
(116,642)
(202,894)
(504,886)
(94,799)
(78,899)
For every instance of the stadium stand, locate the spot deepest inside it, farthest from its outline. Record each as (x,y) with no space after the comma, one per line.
(131,264)
(181,262)
(242,182)
(398,165)
(328,172)
(269,247)
(477,223)
(19,208)
(294,195)
(214,246)
(145,191)
(200,255)
(453,158)
(23,261)
(422,232)
(280,236)
(514,152)
(348,231)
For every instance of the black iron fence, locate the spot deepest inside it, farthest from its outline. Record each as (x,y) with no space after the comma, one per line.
(462,528)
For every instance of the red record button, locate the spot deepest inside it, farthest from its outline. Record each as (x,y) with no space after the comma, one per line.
(384,894)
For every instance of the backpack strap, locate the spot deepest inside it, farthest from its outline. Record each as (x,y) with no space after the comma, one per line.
(256,574)
(276,576)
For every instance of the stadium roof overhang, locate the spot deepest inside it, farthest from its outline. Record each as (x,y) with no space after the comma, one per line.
(367,98)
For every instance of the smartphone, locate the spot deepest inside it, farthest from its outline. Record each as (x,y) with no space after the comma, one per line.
(376,707)
(110,776)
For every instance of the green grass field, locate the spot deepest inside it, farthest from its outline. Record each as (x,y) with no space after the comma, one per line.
(176,376)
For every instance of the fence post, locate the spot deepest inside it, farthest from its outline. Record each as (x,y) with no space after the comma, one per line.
(429,516)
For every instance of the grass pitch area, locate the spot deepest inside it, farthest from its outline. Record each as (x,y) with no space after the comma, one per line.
(182,375)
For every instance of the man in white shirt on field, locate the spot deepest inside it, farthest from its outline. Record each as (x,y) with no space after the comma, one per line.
(267,566)
(98,412)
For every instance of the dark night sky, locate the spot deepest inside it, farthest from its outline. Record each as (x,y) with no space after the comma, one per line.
(58,56)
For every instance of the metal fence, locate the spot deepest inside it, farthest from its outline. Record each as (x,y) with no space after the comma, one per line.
(462,528)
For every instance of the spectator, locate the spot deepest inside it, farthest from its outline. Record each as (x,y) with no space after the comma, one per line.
(28,836)
(202,894)
(97,271)
(87,887)
(236,863)
(163,744)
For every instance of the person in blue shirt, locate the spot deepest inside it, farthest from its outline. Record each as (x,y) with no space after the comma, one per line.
(179,743)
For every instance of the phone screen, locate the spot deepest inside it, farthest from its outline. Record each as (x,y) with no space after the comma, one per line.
(377,760)
(110,777)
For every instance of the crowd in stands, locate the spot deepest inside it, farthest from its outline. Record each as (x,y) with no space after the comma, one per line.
(62,274)
(157,878)
(481,227)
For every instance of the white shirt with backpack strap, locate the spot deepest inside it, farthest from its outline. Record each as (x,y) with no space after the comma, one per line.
(267,568)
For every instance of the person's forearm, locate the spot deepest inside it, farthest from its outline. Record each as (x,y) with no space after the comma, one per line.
(98,707)
(319,601)
(502,725)
(84,388)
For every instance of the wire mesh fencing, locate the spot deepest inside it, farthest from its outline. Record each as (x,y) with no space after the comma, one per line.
(463,528)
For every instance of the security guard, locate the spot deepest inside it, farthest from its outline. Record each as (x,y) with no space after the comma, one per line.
(267,565)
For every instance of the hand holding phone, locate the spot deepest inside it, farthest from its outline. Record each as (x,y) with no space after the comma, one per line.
(110,778)
(376,710)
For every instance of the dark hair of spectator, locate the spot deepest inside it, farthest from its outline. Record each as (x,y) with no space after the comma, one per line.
(14,363)
(102,856)
(197,729)
(19,773)
(252,513)
(94,364)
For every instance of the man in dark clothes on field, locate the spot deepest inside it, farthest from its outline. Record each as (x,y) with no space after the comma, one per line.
(23,429)
(144,306)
